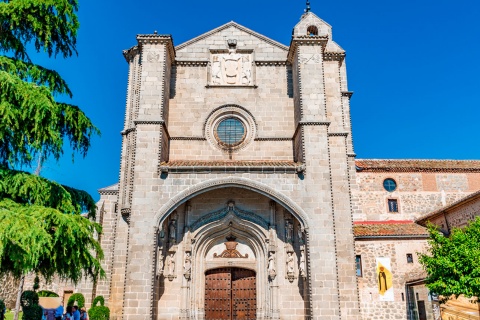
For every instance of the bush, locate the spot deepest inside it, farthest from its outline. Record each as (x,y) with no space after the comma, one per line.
(99,312)
(2,309)
(31,309)
(76,297)
(47,294)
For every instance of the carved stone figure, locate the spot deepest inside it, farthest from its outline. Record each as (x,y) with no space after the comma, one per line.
(216,71)
(187,266)
(302,264)
(172,229)
(290,263)
(171,266)
(160,262)
(290,266)
(271,266)
(300,235)
(288,231)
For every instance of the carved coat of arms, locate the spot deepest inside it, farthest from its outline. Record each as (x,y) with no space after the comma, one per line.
(231,250)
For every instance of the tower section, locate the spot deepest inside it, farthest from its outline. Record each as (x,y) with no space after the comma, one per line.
(322,141)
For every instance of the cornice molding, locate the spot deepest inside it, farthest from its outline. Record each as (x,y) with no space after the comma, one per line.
(108,192)
(187,63)
(273,139)
(334,56)
(162,39)
(313,123)
(271,63)
(338,134)
(305,41)
(229,169)
(154,122)
(189,138)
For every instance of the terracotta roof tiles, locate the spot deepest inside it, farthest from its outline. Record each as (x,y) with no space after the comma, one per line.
(417,165)
(386,229)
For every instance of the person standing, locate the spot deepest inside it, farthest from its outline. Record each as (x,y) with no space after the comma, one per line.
(76,313)
(59,312)
(83,314)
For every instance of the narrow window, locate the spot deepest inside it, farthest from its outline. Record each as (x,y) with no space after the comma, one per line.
(392,205)
(403,297)
(358,264)
(312,31)
(409,258)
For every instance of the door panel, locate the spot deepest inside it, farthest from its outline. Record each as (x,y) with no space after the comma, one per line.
(230,294)
(218,298)
(244,299)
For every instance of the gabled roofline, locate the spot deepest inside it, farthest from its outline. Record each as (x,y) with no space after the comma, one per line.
(463,201)
(313,14)
(226,26)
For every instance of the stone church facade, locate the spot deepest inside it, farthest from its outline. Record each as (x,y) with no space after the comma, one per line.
(240,196)
(234,198)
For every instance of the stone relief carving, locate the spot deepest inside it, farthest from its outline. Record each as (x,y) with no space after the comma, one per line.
(153,56)
(271,266)
(290,266)
(310,59)
(187,266)
(231,250)
(232,68)
(171,266)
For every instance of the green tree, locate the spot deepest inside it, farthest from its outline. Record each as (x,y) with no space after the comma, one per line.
(453,263)
(41,229)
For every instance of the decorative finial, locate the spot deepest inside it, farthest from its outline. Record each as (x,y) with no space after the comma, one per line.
(155,32)
(308,7)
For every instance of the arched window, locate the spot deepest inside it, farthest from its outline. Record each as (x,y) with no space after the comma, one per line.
(312,31)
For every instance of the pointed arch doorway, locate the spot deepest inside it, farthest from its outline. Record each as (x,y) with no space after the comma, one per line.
(230,293)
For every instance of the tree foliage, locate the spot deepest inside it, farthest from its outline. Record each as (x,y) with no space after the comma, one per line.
(99,312)
(30,307)
(453,263)
(41,229)
(78,298)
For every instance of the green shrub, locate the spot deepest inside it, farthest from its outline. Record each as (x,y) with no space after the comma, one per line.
(31,309)
(76,297)
(2,309)
(99,312)
(47,294)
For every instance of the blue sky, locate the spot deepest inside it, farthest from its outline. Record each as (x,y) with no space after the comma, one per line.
(413,66)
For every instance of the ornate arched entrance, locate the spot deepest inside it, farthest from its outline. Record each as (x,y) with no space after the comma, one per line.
(229,260)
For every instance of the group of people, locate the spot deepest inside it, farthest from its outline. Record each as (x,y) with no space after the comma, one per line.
(72,313)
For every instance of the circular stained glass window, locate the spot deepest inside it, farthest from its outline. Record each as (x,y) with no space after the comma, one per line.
(230,132)
(389,184)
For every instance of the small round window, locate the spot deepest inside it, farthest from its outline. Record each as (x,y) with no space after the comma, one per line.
(230,132)
(389,184)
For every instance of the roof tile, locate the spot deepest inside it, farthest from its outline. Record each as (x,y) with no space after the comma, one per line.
(417,165)
(388,228)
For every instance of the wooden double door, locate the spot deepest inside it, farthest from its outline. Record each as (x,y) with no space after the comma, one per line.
(230,294)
